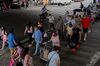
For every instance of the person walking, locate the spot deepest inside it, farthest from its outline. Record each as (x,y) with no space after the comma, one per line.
(12,42)
(81,6)
(28,60)
(59,27)
(3,37)
(85,22)
(38,39)
(51,21)
(53,57)
(28,32)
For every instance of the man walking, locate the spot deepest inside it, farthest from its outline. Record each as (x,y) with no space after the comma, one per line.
(38,39)
(85,25)
(12,42)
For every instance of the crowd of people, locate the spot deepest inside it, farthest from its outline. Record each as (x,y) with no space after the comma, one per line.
(74,27)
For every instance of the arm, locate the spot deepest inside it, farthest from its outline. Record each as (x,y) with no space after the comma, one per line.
(58,62)
(25,30)
(80,35)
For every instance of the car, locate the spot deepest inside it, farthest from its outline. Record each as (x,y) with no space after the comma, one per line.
(77,0)
(60,2)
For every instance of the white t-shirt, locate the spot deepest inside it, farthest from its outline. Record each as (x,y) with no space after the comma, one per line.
(69,30)
(73,22)
(51,19)
(53,59)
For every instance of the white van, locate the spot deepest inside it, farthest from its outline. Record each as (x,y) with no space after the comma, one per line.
(61,2)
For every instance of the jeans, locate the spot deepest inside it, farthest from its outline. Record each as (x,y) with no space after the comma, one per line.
(37,47)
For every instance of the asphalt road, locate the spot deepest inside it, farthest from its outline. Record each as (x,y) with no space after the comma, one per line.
(19,18)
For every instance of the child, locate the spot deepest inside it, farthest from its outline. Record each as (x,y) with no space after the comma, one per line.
(3,37)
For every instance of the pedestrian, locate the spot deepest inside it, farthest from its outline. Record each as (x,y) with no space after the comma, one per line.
(55,39)
(3,37)
(38,39)
(76,37)
(85,25)
(53,57)
(73,22)
(51,21)
(28,32)
(12,61)
(44,11)
(12,42)
(69,34)
(66,17)
(81,6)
(28,60)
(19,53)
(59,27)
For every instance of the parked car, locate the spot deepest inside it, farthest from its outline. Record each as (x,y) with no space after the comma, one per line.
(61,2)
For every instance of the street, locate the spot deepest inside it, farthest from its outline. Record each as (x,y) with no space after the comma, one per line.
(18,19)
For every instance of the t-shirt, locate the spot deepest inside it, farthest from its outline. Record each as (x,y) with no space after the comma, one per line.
(51,19)
(55,40)
(76,32)
(53,59)
(11,39)
(85,22)
(73,22)
(38,35)
(69,30)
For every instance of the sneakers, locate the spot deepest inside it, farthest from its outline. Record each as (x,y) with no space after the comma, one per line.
(84,39)
(73,50)
(78,46)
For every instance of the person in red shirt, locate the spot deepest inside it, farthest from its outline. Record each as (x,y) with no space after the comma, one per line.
(85,25)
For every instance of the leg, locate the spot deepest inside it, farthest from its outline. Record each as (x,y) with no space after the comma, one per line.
(85,31)
(3,45)
(37,48)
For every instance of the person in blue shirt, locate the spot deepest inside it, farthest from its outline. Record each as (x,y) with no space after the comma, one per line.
(11,42)
(38,39)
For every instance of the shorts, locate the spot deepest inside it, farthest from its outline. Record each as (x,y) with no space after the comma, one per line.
(85,30)
(13,51)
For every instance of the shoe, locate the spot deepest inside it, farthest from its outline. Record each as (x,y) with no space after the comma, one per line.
(84,39)
(67,46)
(78,46)
(73,50)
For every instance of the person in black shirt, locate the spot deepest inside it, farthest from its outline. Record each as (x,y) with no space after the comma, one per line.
(76,37)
